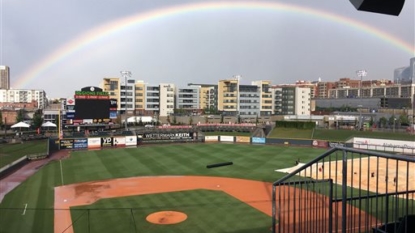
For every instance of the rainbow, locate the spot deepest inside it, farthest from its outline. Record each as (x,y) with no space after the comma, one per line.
(125,23)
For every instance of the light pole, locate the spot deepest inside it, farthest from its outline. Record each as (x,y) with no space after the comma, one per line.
(361,74)
(360,116)
(125,74)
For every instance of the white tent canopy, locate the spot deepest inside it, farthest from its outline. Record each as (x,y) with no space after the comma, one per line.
(136,119)
(20,125)
(48,124)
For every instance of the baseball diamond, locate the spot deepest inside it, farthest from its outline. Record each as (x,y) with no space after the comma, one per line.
(120,189)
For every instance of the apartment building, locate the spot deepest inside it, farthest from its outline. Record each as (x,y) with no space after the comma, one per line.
(249,101)
(396,90)
(152,99)
(24,96)
(127,96)
(323,89)
(228,96)
(122,91)
(265,95)
(140,99)
(291,100)
(188,100)
(208,98)
(166,100)
(113,87)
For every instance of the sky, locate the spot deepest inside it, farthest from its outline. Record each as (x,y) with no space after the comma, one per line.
(63,46)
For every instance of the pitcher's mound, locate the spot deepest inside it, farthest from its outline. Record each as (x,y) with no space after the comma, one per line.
(166,217)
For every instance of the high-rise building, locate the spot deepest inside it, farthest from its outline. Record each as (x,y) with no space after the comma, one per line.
(4,77)
(405,75)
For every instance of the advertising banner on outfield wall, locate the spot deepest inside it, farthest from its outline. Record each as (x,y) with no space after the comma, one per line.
(119,141)
(80,143)
(226,138)
(257,140)
(94,143)
(211,138)
(320,143)
(130,140)
(66,143)
(107,141)
(167,136)
(243,139)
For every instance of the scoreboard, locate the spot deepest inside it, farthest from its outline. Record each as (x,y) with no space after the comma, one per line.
(92,109)
(91,103)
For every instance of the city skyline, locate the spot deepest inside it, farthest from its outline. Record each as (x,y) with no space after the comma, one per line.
(199,42)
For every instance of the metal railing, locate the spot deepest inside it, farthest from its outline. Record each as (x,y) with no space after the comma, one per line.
(346,190)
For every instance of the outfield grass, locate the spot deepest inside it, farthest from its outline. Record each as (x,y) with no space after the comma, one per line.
(12,152)
(291,133)
(250,162)
(339,135)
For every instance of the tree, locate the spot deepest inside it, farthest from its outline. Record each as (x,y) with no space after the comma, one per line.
(383,121)
(371,122)
(1,120)
(174,120)
(38,119)
(20,115)
(392,120)
(403,119)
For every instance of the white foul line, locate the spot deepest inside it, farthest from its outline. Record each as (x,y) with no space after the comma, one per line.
(24,211)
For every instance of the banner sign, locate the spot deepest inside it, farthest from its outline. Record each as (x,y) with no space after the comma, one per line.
(336,144)
(167,136)
(226,138)
(319,143)
(211,138)
(94,143)
(119,141)
(258,140)
(66,144)
(130,141)
(243,139)
(107,141)
(80,143)
(70,115)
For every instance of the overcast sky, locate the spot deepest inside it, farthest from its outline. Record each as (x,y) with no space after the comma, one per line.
(293,40)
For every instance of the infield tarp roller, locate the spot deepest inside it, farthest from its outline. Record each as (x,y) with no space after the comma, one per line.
(219,164)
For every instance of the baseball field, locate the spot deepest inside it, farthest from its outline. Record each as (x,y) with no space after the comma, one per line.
(158,188)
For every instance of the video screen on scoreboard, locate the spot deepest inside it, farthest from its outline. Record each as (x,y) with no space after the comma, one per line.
(92,109)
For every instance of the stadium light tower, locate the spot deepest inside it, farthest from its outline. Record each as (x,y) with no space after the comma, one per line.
(361,74)
(125,74)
